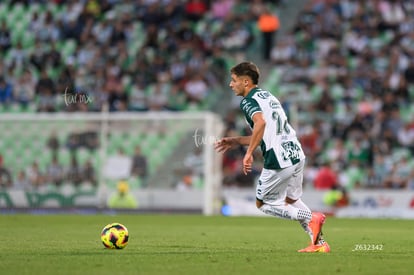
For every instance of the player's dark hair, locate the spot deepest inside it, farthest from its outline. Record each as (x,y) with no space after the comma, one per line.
(247,69)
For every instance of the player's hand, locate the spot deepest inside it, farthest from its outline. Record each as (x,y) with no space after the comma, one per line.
(247,163)
(225,144)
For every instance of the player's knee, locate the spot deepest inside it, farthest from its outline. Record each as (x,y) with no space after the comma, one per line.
(259,203)
(289,200)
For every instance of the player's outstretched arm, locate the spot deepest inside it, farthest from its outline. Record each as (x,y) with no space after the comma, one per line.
(228,143)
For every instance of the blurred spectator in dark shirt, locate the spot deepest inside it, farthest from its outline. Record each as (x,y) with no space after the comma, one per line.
(45,90)
(74,172)
(118,34)
(5,37)
(5,175)
(139,164)
(53,144)
(89,173)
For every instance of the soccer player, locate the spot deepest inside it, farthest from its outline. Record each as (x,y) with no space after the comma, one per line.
(279,189)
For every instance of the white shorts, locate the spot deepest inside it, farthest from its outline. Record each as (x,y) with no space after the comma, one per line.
(275,185)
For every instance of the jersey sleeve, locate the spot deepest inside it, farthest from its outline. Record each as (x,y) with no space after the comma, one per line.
(249,106)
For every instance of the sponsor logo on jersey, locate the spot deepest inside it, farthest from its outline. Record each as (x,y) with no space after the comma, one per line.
(274,104)
(291,150)
(263,95)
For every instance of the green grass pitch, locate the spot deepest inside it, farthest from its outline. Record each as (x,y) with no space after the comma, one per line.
(187,244)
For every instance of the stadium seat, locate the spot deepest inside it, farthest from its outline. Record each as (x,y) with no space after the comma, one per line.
(272,81)
(4,10)
(154,161)
(411,91)
(153,141)
(44,160)
(68,48)
(116,142)
(18,10)
(64,157)
(34,7)
(135,183)
(28,40)
(83,155)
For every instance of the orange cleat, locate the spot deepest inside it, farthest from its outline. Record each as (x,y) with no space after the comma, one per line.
(313,248)
(318,219)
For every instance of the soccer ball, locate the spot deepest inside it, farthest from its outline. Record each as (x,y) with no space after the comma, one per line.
(114,236)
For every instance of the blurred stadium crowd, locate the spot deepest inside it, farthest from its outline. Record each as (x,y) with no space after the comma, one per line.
(345,72)
(132,55)
(89,55)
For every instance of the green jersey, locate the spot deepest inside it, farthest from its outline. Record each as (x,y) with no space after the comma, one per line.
(279,144)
